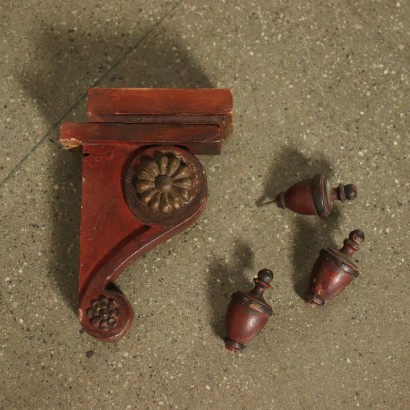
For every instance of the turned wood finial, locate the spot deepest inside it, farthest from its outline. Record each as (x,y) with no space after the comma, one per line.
(314,196)
(334,270)
(248,313)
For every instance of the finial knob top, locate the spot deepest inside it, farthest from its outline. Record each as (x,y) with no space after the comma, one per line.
(265,275)
(357,236)
(350,192)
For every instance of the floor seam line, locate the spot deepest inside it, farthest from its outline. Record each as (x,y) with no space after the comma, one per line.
(84,95)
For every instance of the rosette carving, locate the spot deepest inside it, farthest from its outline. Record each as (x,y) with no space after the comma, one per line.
(164,183)
(103,312)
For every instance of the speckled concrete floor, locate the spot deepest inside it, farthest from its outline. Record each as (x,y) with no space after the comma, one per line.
(319,86)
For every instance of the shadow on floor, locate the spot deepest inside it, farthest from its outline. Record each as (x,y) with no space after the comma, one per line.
(80,56)
(226,278)
(289,167)
(310,233)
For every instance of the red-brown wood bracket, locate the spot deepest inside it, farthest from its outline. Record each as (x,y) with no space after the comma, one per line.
(141,184)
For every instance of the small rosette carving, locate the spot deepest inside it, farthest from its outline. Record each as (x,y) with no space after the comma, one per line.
(164,183)
(103,313)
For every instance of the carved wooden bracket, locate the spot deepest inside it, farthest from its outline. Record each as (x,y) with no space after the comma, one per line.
(141,184)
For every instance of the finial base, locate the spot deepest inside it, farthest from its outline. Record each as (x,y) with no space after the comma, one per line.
(314,300)
(232,346)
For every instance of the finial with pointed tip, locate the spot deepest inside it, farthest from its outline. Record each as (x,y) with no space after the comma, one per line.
(313,196)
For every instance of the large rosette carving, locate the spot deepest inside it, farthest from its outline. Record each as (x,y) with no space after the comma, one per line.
(163,183)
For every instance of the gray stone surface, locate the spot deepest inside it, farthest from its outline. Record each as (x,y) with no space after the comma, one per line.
(320,86)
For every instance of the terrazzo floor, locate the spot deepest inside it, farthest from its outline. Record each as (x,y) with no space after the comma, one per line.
(318,86)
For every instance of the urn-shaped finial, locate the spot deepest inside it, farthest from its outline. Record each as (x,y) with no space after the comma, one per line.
(247,313)
(314,196)
(334,270)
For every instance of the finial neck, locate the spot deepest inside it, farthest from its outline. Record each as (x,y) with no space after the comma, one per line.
(261,284)
(259,289)
(352,244)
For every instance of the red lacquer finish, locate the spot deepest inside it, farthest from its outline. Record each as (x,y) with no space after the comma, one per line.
(247,313)
(141,185)
(314,196)
(162,106)
(334,270)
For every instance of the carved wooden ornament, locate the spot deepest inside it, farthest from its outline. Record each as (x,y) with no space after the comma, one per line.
(334,270)
(247,313)
(314,196)
(141,184)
